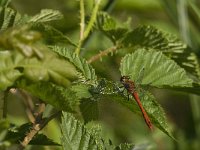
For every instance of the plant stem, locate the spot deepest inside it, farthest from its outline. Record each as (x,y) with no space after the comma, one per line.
(102,53)
(90,24)
(92,19)
(28,104)
(107,8)
(82,26)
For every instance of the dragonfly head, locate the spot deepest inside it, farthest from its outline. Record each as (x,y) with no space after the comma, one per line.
(124,79)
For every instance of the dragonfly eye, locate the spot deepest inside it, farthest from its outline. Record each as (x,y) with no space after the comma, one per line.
(124,78)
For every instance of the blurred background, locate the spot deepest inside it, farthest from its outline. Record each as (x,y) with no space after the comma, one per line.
(177,17)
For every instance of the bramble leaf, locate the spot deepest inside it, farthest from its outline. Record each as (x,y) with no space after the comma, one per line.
(10,18)
(158,70)
(59,97)
(46,15)
(80,63)
(109,90)
(149,37)
(87,106)
(75,136)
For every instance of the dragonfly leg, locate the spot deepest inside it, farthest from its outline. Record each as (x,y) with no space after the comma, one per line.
(120,89)
(128,95)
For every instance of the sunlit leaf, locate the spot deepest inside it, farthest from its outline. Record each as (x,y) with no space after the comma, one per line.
(23,40)
(46,15)
(8,73)
(149,37)
(157,69)
(85,68)
(52,68)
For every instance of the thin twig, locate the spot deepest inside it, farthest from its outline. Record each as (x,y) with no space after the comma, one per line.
(28,104)
(102,53)
(38,125)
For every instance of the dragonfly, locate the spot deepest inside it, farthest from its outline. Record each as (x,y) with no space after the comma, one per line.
(129,85)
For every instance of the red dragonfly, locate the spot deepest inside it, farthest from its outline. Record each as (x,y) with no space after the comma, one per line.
(130,87)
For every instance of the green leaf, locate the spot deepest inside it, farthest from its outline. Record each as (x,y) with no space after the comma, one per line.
(12,18)
(17,134)
(59,97)
(81,90)
(87,106)
(158,70)
(86,69)
(51,68)
(75,136)
(109,27)
(195,89)
(109,90)
(51,35)
(149,37)
(9,18)
(66,99)
(23,40)
(8,73)
(46,15)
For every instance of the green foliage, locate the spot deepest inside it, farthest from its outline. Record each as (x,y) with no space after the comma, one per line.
(75,136)
(36,56)
(149,37)
(109,90)
(4,124)
(34,69)
(11,18)
(158,70)
(23,40)
(62,98)
(51,35)
(16,134)
(4,2)
(87,71)
(48,66)
(87,106)
(46,15)
(109,27)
